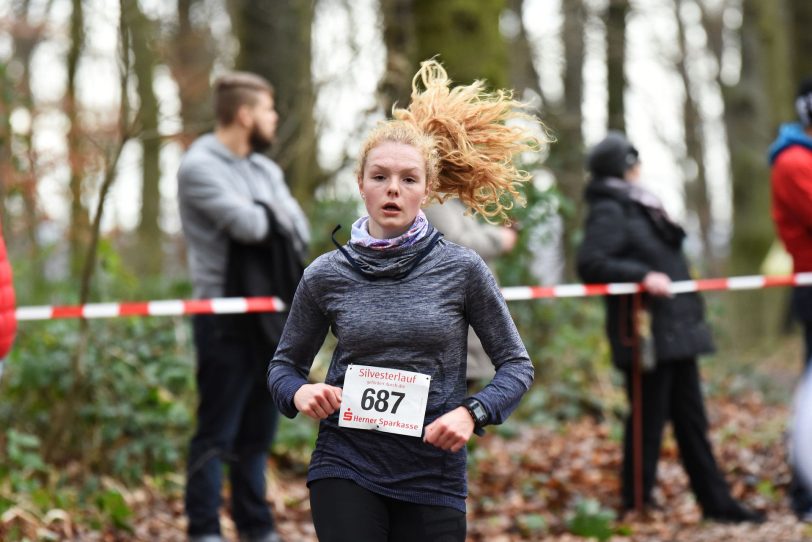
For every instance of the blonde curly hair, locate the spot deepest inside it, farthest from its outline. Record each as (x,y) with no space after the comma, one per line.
(464,137)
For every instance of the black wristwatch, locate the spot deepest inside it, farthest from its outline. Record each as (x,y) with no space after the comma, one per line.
(478,413)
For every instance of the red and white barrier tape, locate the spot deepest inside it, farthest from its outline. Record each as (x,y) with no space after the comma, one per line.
(751,282)
(170,307)
(241,305)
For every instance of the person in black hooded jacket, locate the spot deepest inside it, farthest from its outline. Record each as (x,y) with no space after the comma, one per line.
(629,237)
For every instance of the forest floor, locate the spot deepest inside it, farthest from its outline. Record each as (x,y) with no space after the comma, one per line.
(527,485)
(522,488)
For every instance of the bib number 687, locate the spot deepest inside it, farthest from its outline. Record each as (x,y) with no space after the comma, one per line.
(380,401)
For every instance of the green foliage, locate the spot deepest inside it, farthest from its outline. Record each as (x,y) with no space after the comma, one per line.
(511,429)
(134,419)
(134,397)
(564,337)
(767,489)
(136,392)
(24,467)
(531,525)
(23,452)
(327,213)
(590,520)
(111,503)
(295,440)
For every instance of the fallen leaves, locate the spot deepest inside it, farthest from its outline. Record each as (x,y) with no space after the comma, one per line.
(560,468)
(528,487)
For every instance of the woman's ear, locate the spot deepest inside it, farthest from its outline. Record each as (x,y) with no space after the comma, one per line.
(361,187)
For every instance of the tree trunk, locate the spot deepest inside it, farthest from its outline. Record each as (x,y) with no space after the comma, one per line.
(61,439)
(800,16)
(6,106)
(774,20)
(23,49)
(400,40)
(149,252)
(275,43)
(522,71)
(11,96)
(615,62)
(79,221)
(752,109)
(567,154)
(191,59)
(19,173)
(466,37)
(694,170)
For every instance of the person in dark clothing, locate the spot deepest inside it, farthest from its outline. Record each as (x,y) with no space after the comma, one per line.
(629,237)
(389,462)
(246,236)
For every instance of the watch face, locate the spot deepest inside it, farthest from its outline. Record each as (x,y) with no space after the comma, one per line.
(479,411)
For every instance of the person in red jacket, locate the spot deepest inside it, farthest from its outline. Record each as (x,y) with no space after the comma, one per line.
(8,320)
(791,162)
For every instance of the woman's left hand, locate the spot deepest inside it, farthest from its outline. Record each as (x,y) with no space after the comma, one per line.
(450,431)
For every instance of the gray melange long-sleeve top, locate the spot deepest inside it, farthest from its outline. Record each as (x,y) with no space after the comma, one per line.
(419,323)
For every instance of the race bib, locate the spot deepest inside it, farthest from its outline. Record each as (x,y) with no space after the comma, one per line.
(382,399)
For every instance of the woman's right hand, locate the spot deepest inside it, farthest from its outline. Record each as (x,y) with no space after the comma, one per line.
(317,400)
(658,284)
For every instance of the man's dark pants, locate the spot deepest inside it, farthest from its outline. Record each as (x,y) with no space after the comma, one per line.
(799,494)
(236,421)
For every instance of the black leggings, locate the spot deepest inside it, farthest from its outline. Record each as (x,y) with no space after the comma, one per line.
(343,511)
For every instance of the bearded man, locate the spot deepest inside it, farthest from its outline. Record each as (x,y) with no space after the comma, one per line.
(246,236)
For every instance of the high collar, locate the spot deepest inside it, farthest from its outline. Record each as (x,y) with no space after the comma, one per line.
(392,263)
(790,134)
(599,188)
(624,191)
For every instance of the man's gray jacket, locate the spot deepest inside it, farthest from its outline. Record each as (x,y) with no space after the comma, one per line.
(220,196)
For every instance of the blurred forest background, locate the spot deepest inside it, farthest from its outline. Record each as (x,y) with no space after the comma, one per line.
(99,98)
